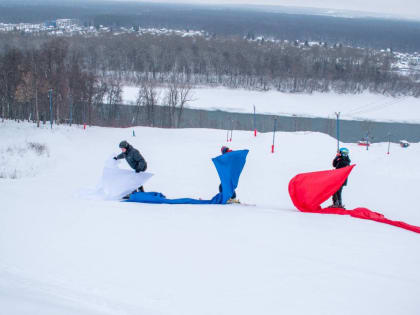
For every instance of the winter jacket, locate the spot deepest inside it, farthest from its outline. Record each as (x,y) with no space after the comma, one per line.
(341,161)
(134,159)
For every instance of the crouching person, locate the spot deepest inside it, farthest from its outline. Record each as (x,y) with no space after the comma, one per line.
(134,159)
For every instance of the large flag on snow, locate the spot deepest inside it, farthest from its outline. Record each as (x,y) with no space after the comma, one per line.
(309,190)
(229,166)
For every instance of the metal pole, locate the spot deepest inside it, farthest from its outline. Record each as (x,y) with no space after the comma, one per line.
(389,141)
(51,113)
(231,130)
(367,141)
(338,130)
(274,135)
(255,123)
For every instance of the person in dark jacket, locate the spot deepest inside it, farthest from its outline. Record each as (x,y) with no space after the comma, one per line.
(133,158)
(341,160)
(225,150)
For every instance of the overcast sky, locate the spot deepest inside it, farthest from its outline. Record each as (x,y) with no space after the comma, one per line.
(403,8)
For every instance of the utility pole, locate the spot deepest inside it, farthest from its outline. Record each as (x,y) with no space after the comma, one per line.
(338,130)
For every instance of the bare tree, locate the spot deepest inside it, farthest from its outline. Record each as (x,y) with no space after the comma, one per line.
(113,97)
(185,96)
(149,97)
(178,94)
(139,103)
(10,79)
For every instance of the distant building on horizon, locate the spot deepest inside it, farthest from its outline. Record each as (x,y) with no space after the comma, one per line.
(50,24)
(63,23)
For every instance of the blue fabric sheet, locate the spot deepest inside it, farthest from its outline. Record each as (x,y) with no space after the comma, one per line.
(229,166)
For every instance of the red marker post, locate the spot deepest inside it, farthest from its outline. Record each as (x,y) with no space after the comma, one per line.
(274,135)
(231,130)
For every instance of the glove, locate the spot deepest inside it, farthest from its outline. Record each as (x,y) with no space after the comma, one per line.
(115,158)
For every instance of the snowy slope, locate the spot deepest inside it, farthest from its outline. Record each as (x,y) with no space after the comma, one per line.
(352,106)
(62,254)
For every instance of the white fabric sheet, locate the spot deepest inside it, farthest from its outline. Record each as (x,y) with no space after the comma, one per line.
(116,182)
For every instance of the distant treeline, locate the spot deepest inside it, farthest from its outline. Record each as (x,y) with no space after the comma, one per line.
(81,84)
(227,21)
(85,72)
(28,75)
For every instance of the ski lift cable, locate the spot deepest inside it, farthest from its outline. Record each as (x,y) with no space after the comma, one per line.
(373,107)
(365,107)
(377,107)
(362,107)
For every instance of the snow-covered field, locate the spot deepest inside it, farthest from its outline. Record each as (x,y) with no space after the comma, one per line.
(352,106)
(62,254)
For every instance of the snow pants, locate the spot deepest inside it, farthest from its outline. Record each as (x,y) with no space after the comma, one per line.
(337,197)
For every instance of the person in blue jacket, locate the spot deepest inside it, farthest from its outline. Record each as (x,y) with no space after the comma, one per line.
(232,199)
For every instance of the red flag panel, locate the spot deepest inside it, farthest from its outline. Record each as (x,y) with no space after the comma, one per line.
(309,190)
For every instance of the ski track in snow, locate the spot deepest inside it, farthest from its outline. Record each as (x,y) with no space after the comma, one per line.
(62,254)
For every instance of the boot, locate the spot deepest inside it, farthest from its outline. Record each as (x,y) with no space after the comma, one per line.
(233,200)
(340,203)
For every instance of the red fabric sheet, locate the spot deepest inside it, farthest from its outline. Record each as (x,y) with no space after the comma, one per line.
(309,190)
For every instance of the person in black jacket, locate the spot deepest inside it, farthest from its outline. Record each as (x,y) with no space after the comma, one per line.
(341,160)
(133,158)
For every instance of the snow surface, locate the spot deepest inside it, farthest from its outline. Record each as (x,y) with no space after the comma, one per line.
(362,106)
(61,254)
